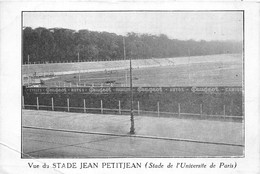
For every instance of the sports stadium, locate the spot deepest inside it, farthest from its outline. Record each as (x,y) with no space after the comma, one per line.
(95,94)
(190,89)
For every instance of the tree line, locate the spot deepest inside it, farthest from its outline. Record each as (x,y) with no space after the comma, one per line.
(60,44)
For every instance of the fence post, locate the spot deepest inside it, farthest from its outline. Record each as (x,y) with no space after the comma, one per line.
(84,105)
(23,102)
(119,107)
(179,109)
(224,111)
(52,104)
(101,106)
(158,109)
(201,110)
(37,103)
(68,103)
(138,107)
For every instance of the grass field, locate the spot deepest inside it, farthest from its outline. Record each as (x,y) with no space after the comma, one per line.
(193,73)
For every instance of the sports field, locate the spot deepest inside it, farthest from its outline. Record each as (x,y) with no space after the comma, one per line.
(218,70)
(49,134)
(200,74)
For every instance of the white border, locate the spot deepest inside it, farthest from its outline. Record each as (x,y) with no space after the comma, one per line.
(10,91)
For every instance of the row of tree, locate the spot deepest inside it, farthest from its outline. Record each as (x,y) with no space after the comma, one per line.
(59,44)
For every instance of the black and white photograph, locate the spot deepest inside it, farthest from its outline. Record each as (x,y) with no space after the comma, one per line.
(132,84)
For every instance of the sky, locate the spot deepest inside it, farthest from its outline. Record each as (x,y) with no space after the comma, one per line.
(176,25)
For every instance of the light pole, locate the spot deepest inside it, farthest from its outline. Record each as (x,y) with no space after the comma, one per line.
(28,69)
(78,67)
(189,64)
(124,61)
(132,129)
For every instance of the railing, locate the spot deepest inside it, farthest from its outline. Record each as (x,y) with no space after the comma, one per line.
(138,111)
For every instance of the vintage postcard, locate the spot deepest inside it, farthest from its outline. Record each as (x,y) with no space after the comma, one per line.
(110,73)
(132,90)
